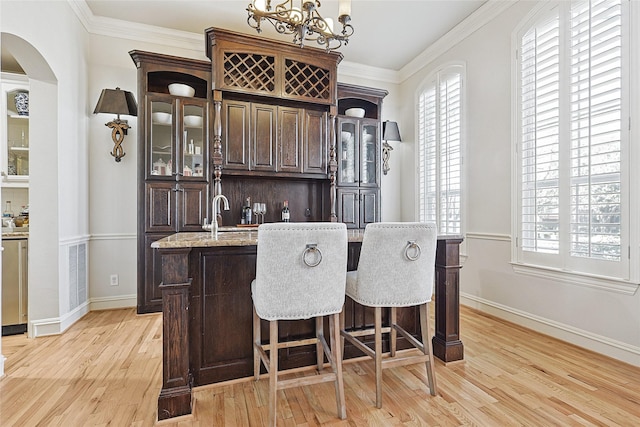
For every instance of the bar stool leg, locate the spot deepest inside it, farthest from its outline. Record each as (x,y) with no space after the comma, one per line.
(342,321)
(257,339)
(426,342)
(336,355)
(378,355)
(319,349)
(273,371)
(393,335)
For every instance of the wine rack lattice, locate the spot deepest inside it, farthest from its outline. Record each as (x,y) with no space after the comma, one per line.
(249,71)
(305,80)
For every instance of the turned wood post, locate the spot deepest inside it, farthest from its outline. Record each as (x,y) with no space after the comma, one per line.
(333,163)
(216,155)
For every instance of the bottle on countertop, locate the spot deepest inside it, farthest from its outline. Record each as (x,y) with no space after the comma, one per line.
(285,211)
(8,213)
(246,212)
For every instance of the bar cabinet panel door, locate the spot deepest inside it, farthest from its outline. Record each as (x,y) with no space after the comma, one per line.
(348,209)
(235,134)
(263,142)
(192,203)
(161,207)
(369,206)
(315,142)
(289,139)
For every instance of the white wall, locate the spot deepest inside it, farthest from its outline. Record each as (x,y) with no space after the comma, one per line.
(55,64)
(113,185)
(603,320)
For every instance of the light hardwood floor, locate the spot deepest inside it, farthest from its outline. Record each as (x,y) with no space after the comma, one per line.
(106,370)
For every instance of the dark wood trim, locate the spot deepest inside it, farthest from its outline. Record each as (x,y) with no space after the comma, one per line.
(175,395)
(447,345)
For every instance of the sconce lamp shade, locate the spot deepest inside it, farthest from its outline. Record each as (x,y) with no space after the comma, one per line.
(116,101)
(390,131)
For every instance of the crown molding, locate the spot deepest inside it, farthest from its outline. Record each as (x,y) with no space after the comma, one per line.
(194,42)
(134,31)
(475,21)
(361,71)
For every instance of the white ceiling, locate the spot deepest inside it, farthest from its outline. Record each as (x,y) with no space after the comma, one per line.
(388,34)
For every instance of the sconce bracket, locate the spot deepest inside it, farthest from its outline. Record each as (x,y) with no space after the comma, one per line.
(118,131)
(386,153)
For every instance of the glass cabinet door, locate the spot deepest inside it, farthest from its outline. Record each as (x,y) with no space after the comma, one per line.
(16,106)
(369,154)
(193,142)
(161,142)
(347,153)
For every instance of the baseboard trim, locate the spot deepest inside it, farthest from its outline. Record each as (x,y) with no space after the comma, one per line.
(581,338)
(57,325)
(110,303)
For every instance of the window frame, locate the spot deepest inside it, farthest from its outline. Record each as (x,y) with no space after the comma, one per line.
(624,275)
(432,80)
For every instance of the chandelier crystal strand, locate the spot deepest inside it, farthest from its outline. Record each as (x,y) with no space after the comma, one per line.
(304,22)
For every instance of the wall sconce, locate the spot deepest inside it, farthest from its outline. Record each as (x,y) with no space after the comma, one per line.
(390,132)
(117,101)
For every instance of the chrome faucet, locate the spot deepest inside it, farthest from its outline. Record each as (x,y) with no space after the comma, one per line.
(215,211)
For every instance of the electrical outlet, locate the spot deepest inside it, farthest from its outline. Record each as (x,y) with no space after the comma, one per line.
(114,280)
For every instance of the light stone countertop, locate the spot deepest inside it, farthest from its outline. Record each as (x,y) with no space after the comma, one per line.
(9,233)
(225,238)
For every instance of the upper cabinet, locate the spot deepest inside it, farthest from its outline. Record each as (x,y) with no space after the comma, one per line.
(258,66)
(262,139)
(15,132)
(358,154)
(177,141)
(275,104)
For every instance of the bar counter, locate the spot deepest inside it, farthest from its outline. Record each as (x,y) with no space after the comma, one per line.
(207,311)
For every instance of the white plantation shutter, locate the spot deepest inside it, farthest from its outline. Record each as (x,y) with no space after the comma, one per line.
(449,150)
(572,105)
(427,155)
(540,145)
(440,155)
(596,123)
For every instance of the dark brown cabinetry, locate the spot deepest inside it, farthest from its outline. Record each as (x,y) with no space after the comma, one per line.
(267,139)
(358,155)
(173,159)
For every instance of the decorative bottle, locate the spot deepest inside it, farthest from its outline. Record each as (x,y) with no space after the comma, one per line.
(8,213)
(246,212)
(285,211)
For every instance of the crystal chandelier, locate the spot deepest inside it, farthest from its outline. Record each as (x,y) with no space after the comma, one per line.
(304,22)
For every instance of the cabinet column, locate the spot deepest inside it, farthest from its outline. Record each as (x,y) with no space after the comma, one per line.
(333,164)
(175,397)
(216,153)
(446,342)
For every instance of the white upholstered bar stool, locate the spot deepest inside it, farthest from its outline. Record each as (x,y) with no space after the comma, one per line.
(300,274)
(396,269)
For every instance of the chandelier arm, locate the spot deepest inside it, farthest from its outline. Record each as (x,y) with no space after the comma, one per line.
(303,23)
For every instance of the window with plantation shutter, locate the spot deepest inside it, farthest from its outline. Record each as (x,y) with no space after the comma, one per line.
(573,181)
(439,150)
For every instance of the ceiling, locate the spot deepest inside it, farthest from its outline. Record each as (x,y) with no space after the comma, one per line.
(388,34)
